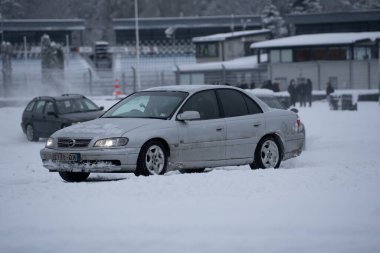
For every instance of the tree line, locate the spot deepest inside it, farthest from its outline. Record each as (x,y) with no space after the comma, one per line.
(99,13)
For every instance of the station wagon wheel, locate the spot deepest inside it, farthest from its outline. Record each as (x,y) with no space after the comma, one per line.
(267,155)
(152,159)
(31,134)
(73,177)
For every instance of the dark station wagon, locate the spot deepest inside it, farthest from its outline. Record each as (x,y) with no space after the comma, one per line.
(45,115)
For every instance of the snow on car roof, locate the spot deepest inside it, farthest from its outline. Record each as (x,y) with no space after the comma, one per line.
(318,39)
(186,88)
(262,92)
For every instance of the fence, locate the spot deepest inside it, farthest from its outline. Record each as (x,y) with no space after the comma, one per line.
(79,76)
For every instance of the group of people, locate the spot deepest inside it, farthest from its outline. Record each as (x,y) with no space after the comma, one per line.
(300,92)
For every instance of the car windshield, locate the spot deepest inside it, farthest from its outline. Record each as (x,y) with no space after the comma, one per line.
(147,104)
(272,102)
(73,105)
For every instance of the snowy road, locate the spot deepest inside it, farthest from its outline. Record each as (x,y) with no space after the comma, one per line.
(326,200)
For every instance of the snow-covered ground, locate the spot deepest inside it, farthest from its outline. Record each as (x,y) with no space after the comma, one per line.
(326,200)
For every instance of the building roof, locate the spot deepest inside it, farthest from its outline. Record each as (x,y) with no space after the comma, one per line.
(188,22)
(334,17)
(318,39)
(230,35)
(249,62)
(43,25)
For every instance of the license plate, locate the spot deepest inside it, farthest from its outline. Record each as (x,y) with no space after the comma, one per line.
(66,157)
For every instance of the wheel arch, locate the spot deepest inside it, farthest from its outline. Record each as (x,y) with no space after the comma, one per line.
(278,139)
(161,140)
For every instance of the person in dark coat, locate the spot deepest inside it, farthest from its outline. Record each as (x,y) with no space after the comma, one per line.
(329,89)
(301,90)
(309,91)
(292,92)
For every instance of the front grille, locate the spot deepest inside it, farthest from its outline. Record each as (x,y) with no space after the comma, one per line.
(73,143)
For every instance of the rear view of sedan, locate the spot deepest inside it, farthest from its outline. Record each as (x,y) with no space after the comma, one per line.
(182,128)
(45,115)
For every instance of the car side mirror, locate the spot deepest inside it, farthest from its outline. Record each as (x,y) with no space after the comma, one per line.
(188,115)
(295,110)
(101,108)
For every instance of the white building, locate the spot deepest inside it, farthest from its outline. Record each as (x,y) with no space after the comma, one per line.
(228,46)
(346,60)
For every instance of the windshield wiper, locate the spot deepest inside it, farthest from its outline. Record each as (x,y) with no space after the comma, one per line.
(114,117)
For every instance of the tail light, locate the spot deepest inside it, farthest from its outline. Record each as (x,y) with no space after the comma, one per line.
(298,123)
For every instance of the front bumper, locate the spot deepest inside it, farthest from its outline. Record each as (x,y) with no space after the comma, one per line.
(92,160)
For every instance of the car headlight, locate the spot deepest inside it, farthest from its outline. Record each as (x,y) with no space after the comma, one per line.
(49,143)
(111,142)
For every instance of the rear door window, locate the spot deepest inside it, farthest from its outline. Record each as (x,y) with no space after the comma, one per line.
(233,103)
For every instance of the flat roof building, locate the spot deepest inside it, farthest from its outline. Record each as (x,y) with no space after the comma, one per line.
(346,60)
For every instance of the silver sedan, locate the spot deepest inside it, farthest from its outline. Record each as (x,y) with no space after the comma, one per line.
(186,128)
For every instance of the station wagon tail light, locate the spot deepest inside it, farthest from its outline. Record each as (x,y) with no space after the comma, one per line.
(111,142)
(298,123)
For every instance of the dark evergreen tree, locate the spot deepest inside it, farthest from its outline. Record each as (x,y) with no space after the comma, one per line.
(305,6)
(272,20)
(361,4)
(11,9)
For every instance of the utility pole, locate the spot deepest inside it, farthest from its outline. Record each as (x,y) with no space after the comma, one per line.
(137,45)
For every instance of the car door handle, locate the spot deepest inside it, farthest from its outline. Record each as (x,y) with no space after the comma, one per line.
(219,128)
(257,124)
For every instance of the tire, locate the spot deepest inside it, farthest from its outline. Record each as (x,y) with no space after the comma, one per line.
(201,170)
(267,154)
(31,134)
(152,160)
(73,177)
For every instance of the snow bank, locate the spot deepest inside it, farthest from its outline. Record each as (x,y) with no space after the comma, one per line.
(326,200)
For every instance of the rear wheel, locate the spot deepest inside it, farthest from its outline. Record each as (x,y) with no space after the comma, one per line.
(74,176)
(267,154)
(152,159)
(31,134)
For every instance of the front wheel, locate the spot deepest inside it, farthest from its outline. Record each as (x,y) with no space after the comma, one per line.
(74,176)
(152,159)
(267,154)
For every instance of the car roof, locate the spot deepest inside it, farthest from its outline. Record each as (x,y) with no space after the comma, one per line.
(62,97)
(189,88)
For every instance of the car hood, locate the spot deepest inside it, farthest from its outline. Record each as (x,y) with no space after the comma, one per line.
(104,127)
(81,116)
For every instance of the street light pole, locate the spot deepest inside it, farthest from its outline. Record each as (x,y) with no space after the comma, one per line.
(137,46)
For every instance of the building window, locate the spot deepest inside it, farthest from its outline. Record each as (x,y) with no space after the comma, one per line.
(318,53)
(286,55)
(192,78)
(302,54)
(364,53)
(274,56)
(207,50)
(338,53)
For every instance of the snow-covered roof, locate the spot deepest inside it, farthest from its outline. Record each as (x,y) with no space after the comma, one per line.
(318,39)
(249,62)
(225,36)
